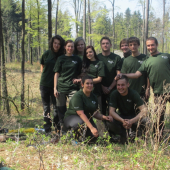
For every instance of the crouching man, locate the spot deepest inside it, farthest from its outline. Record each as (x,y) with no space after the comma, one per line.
(131,110)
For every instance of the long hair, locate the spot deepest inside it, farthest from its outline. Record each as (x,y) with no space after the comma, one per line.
(62,43)
(76,43)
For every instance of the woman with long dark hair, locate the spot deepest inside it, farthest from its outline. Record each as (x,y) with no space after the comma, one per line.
(67,68)
(47,62)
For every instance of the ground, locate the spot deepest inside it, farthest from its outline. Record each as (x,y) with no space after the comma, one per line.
(37,152)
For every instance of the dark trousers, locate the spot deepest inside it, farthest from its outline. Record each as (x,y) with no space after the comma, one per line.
(116,127)
(105,100)
(46,94)
(161,101)
(74,122)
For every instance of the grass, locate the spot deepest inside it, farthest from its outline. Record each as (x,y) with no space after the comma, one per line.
(37,153)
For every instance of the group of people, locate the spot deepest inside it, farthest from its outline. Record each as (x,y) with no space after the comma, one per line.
(97,86)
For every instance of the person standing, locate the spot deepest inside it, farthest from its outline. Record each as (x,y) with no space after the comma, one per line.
(112,64)
(132,64)
(67,68)
(157,67)
(47,62)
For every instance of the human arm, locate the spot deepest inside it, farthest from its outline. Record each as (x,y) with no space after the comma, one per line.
(147,92)
(86,120)
(42,66)
(99,116)
(129,75)
(143,111)
(97,80)
(56,75)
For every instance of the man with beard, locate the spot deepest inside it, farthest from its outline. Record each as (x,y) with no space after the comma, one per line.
(157,67)
(112,64)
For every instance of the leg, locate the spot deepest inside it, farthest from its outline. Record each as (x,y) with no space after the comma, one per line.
(45,95)
(104,104)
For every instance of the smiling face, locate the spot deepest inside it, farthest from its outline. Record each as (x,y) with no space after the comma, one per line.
(152,47)
(105,45)
(88,85)
(90,54)
(124,47)
(56,45)
(69,48)
(122,87)
(80,46)
(133,46)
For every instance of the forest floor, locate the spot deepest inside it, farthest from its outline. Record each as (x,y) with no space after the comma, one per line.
(36,152)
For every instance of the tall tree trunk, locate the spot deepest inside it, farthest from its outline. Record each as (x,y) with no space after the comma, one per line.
(113,6)
(28,50)
(89,23)
(146,24)
(23,56)
(4,83)
(49,21)
(143,29)
(84,22)
(38,16)
(56,17)
(163,25)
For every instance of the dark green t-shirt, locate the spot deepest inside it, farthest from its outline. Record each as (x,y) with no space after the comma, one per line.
(131,65)
(96,69)
(69,67)
(126,104)
(80,101)
(112,64)
(48,59)
(157,68)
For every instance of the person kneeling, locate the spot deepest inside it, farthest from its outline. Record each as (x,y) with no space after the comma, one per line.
(82,108)
(128,102)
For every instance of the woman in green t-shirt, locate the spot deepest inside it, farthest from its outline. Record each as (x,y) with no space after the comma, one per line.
(67,68)
(80,45)
(82,107)
(47,62)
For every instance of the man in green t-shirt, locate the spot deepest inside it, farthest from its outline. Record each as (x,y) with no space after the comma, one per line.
(157,67)
(125,100)
(112,64)
(132,64)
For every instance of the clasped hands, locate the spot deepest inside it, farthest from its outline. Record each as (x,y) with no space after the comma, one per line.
(127,123)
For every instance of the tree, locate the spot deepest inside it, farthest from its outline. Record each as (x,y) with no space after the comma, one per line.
(163,25)
(84,22)
(23,56)
(56,17)
(89,23)
(49,21)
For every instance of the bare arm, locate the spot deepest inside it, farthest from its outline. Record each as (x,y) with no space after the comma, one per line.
(97,80)
(129,75)
(147,92)
(42,66)
(56,75)
(86,120)
(112,112)
(99,116)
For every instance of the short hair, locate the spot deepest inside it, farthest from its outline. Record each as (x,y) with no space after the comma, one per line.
(154,39)
(62,43)
(134,39)
(124,77)
(123,41)
(105,38)
(68,41)
(76,43)
(84,78)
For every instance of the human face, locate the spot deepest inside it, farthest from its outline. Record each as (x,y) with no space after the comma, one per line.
(80,46)
(124,47)
(90,54)
(56,45)
(133,46)
(151,47)
(88,85)
(69,48)
(105,45)
(122,87)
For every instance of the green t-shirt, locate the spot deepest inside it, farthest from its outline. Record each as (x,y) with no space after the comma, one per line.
(96,69)
(80,101)
(48,59)
(69,67)
(157,68)
(126,104)
(81,56)
(131,65)
(112,63)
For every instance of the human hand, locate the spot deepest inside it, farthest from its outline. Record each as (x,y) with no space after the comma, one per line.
(125,125)
(94,132)
(56,93)
(75,81)
(147,93)
(128,123)
(118,76)
(109,118)
(105,90)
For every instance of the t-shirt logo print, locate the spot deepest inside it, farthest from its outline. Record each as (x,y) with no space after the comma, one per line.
(111,62)
(75,62)
(93,102)
(165,57)
(96,66)
(140,61)
(128,100)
